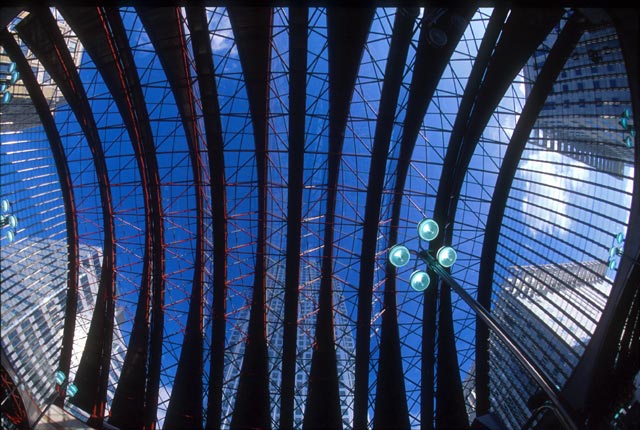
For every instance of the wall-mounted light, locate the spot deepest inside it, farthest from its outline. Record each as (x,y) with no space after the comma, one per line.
(624,123)
(399,256)
(8,220)
(615,251)
(7,97)
(15,77)
(67,390)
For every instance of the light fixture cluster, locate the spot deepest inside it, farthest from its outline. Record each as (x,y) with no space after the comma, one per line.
(8,220)
(628,139)
(66,389)
(61,377)
(399,255)
(11,78)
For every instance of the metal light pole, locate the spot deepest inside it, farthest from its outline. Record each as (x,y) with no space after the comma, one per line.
(65,388)
(399,255)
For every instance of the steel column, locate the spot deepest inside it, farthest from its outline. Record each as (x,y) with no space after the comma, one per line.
(431,295)
(553,65)
(7,14)
(298,28)
(521,34)
(114,60)
(165,30)
(41,106)
(430,62)
(40,32)
(400,40)
(158,260)
(201,43)
(347,30)
(252,31)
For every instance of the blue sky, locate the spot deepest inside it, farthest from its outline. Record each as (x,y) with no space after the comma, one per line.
(548,210)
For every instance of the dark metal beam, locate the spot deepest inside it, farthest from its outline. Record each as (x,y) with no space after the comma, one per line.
(450,405)
(524,30)
(390,410)
(347,30)
(7,14)
(386,408)
(252,31)
(298,28)
(431,295)
(597,379)
(201,43)
(521,34)
(512,343)
(165,30)
(478,70)
(553,65)
(40,32)
(158,260)
(41,106)
(104,38)
(430,62)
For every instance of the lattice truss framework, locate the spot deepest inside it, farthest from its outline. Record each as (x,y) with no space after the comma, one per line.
(241,173)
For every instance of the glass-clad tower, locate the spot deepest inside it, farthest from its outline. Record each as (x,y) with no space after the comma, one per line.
(17,112)
(34,253)
(201,200)
(580,117)
(308,311)
(32,324)
(552,311)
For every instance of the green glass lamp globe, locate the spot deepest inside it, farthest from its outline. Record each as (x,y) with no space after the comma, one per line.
(60,377)
(419,280)
(72,390)
(6,97)
(446,256)
(428,229)
(399,255)
(624,123)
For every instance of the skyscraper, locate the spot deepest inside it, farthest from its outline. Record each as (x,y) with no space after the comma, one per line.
(90,264)
(34,279)
(552,311)
(307,307)
(205,148)
(32,324)
(16,110)
(580,116)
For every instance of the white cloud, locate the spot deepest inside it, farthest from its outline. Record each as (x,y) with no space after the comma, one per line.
(222,39)
(629,173)
(550,180)
(164,395)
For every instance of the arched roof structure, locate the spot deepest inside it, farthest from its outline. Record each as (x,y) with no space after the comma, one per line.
(230,165)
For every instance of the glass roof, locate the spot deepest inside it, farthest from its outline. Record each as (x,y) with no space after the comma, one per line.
(393,166)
